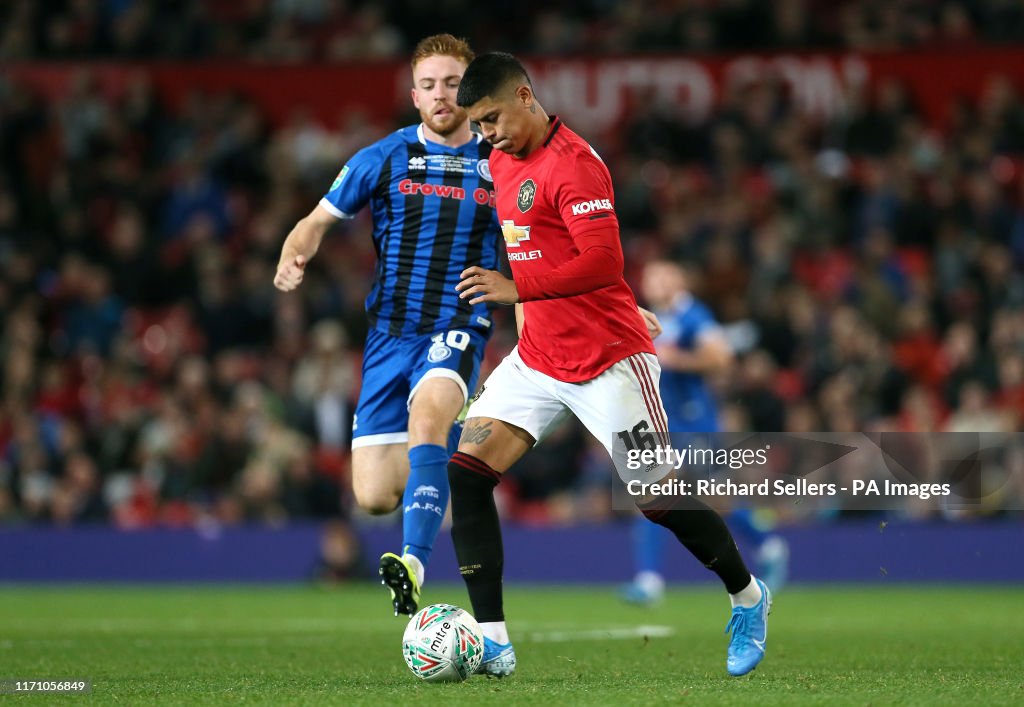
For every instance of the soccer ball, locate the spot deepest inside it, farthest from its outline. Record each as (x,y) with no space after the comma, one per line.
(443,643)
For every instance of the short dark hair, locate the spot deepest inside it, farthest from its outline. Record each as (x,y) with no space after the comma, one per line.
(488,74)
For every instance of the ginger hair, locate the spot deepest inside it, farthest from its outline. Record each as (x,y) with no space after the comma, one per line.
(442,45)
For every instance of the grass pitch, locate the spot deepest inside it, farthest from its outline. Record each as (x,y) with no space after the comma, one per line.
(310,646)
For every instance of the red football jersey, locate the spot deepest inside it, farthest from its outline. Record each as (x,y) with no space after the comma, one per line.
(557,215)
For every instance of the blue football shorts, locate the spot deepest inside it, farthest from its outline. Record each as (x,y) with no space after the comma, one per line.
(395,366)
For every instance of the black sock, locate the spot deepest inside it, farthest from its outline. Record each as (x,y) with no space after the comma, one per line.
(706,536)
(476,533)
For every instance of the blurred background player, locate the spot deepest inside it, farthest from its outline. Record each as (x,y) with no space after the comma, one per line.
(691,349)
(583,351)
(423,351)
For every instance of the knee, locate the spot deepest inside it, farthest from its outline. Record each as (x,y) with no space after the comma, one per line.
(434,408)
(429,429)
(376,500)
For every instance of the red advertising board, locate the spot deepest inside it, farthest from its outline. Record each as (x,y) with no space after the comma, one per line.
(593,92)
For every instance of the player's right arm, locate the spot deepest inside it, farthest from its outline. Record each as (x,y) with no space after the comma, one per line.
(712,355)
(651,322)
(349,193)
(520,318)
(300,246)
(702,349)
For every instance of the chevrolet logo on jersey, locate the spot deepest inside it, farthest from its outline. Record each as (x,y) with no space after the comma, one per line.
(513,233)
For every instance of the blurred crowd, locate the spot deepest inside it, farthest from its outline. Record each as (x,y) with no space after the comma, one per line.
(341,30)
(868,268)
(151,372)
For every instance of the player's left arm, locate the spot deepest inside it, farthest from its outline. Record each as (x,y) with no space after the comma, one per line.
(485,285)
(581,191)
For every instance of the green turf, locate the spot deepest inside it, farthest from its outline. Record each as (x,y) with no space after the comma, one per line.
(279,646)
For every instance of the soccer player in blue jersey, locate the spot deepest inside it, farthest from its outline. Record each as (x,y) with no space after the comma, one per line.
(430,190)
(691,348)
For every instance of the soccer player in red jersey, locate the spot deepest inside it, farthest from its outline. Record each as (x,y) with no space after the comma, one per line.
(583,350)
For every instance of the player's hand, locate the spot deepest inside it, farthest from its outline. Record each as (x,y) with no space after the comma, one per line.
(651,320)
(484,285)
(289,273)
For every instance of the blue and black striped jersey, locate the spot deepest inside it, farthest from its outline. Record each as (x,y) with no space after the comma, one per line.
(433,216)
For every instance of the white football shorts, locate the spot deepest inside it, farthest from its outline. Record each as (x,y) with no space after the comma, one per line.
(621,407)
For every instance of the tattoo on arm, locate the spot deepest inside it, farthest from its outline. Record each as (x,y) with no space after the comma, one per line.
(476,432)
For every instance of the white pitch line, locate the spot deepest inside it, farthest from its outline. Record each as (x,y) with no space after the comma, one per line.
(602,634)
(195,625)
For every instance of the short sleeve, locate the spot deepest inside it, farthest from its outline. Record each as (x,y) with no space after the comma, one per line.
(354,185)
(698,325)
(583,193)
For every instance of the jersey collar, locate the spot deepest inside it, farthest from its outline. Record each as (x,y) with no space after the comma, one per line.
(556,123)
(423,138)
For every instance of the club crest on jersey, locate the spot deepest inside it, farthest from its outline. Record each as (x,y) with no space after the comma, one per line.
(527,190)
(514,234)
(483,168)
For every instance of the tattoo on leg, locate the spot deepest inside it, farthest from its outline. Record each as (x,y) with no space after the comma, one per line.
(476,432)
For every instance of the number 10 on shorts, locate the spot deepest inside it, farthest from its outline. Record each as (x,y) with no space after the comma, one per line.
(441,345)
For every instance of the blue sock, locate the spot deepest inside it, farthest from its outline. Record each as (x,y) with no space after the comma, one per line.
(648,545)
(742,521)
(425,499)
